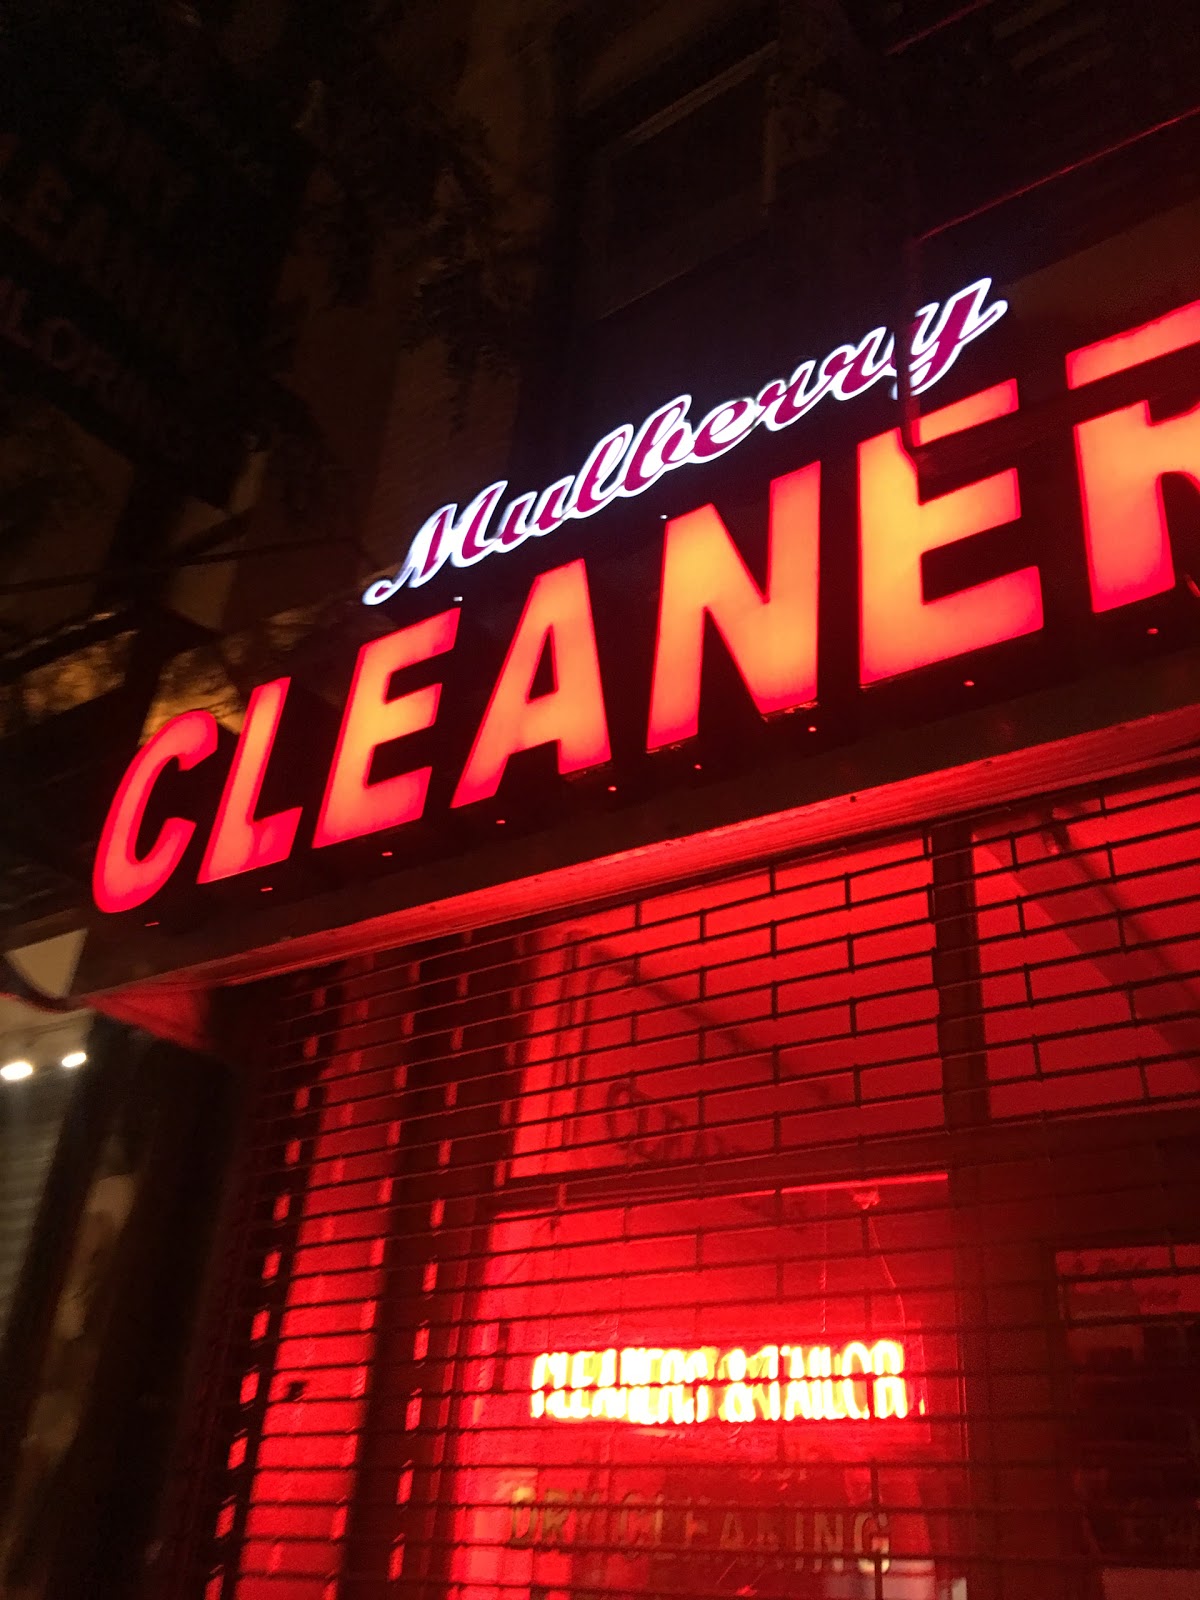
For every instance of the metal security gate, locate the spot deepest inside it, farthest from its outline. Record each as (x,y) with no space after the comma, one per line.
(828,1230)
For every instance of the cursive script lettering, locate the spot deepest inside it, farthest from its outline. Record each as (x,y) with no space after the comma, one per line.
(628,461)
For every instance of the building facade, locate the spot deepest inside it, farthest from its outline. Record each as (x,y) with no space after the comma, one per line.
(709,962)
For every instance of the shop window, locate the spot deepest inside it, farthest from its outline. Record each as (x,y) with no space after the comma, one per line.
(715,1122)
(677,190)
(1132,1316)
(698,1461)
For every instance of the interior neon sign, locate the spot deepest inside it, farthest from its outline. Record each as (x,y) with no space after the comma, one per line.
(775,1383)
(628,461)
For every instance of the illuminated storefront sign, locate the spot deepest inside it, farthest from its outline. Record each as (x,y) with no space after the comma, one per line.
(774,1383)
(708,602)
(626,462)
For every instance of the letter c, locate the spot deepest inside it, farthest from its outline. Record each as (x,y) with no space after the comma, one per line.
(120,878)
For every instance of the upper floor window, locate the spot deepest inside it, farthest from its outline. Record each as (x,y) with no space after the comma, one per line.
(679,188)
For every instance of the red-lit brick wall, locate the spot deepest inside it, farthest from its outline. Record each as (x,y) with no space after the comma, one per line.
(938,1089)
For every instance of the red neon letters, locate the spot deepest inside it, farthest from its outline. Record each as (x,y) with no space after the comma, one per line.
(1162,337)
(775,1383)
(770,634)
(899,629)
(121,879)
(352,805)
(1122,458)
(558,618)
(238,842)
(772,638)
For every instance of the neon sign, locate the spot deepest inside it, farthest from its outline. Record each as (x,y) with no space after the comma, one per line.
(775,1383)
(628,461)
(708,601)
(710,1533)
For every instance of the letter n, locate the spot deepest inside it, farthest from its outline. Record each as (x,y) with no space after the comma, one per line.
(558,617)
(771,637)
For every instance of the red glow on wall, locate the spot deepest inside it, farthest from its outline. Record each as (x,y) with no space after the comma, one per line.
(352,805)
(781,1021)
(557,617)
(121,879)
(1122,458)
(1162,337)
(240,842)
(772,1383)
(899,629)
(772,638)
(716,1442)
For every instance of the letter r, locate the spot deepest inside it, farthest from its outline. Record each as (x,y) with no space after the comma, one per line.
(900,629)
(1122,459)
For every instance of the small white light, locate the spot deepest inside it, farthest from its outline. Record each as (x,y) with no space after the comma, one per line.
(13,1071)
(74,1058)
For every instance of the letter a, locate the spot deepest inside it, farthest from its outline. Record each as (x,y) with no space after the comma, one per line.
(557,614)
